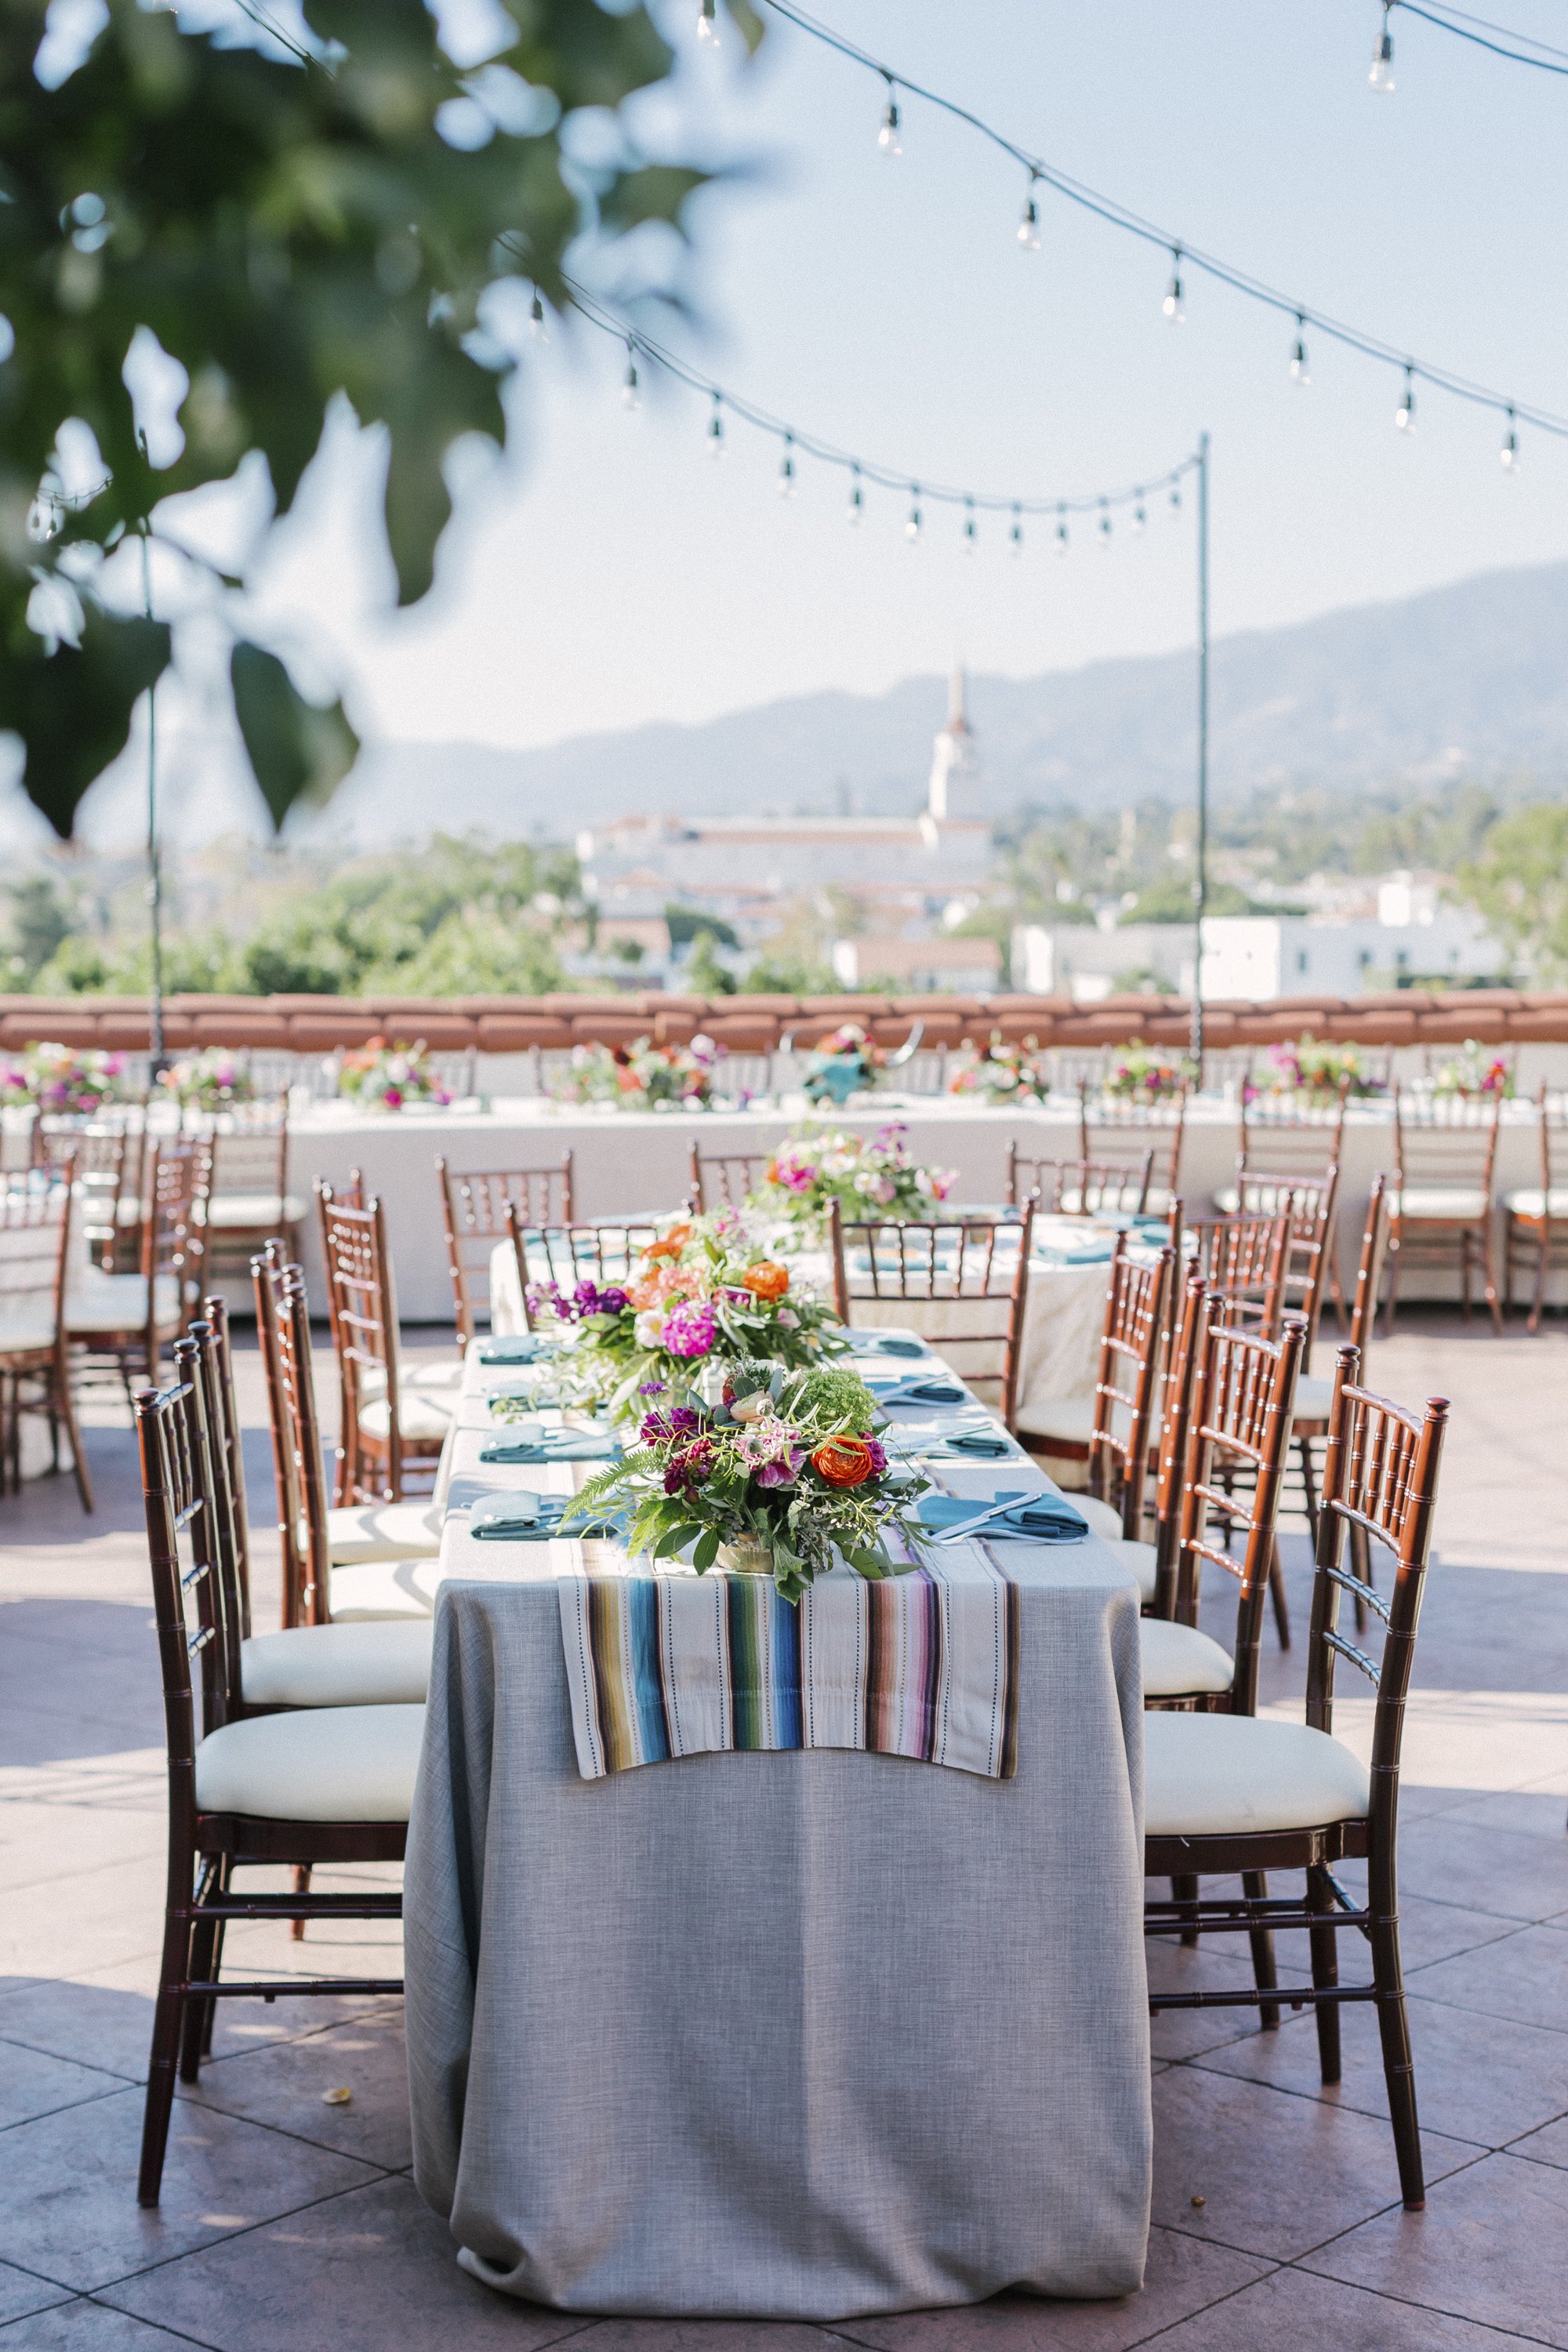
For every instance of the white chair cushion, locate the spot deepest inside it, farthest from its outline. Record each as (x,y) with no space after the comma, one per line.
(319,1764)
(373,1379)
(1070,1419)
(117,1302)
(1179,1661)
(385,1665)
(1538,1203)
(420,1413)
(1138,1557)
(1103,1521)
(253,1211)
(1218,1775)
(25,1332)
(360,1532)
(1437,1200)
(1227,1200)
(1313,1398)
(376,1590)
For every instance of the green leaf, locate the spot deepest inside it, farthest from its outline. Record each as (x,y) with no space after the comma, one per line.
(656,192)
(72,708)
(707,1550)
(298,750)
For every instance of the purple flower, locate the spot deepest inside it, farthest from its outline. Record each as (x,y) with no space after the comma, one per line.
(878,1454)
(689,1329)
(652,1388)
(690,1467)
(774,1451)
(613,1301)
(666,1428)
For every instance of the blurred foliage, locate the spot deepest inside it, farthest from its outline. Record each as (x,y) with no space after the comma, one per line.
(702,973)
(1519,880)
(288,227)
(40,918)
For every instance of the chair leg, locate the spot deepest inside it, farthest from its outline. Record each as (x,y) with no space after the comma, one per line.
(1185,1890)
(301,1886)
(1542,1263)
(1324,1942)
(66,1409)
(1277,1595)
(1465,1271)
(1361,1569)
(168,2017)
(1392,1259)
(1488,1268)
(1393,2026)
(193,2031)
(1304,1446)
(1255,1886)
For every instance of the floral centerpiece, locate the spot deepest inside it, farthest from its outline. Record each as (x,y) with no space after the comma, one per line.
(211,1081)
(701,1294)
(869,1178)
(642,1075)
(379,1076)
(1315,1067)
(61,1081)
(1140,1073)
(844,1063)
(1474,1072)
(782,1475)
(1004,1072)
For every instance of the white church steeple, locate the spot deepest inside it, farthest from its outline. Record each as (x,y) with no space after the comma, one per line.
(953,753)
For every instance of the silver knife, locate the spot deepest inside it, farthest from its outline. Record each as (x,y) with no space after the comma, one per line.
(967,1526)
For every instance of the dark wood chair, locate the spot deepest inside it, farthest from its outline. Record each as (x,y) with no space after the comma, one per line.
(105,1156)
(1112,1128)
(391,1428)
(36,1231)
(248,1201)
(1081,1188)
(1440,1203)
(1286,1141)
(132,1318)
(1227,1794)
(1127,1384)
(1314,1394)
(471,1205)
(971,1276)
(725,1179)
(294,1786)
(1243,1260)
(568,1255)
(1535,1218)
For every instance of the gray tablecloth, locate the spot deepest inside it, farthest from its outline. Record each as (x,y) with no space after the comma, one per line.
(797,2036)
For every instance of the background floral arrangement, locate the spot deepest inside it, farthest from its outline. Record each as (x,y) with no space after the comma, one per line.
(869,1178)
(1473,1071)
(380,1076)
(62,1081)
(642,1075)
(784,1469)
(703,1293)
(1004,1072)
(1146,1073)
(215,1081)
(1312,1066)
(844,1063)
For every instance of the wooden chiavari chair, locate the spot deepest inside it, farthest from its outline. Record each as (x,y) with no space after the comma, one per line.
(1536,1217)
(296,1785)
(1440,1204)
(133,1317)
(1113,1129)
(105,1158)
(1286,1141)
(1229,1793)
(1313,1395)
(249,1200)
(35,1228)
(725,1179)
(471,1206)
(1126,1396)
(564,1255)
(1246,1261)
(389,1426)
(1080,1188)
(968,1278)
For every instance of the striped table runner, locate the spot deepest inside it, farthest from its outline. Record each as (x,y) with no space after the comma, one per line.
(923,1665)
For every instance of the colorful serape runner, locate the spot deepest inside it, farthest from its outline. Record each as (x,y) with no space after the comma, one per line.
(923,1665)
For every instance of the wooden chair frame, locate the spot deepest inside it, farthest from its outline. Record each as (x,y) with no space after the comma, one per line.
(179,1172)
(1458,1139)
(107,1148)
(255,1135)
(364,1303)
(1181,1374)
(472,1202)
(725,1179)
(283,1324)
(1131,1351)
(1309,1429)
(1526,1239)
(28,1206)
(1102,1187)
(1109,1124)
(1379,1477)
(600,1254)
(901,1254)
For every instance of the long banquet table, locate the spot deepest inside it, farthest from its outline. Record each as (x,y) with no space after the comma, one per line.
(796,2035)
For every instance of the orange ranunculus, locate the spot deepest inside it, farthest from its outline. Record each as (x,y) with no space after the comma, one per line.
(767,1279)
(661,1284)
(842,1461)
(672,1244)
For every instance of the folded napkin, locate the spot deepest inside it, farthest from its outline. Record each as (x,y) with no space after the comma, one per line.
(886,1343)
(511,1347)
(987,1442)
(526,1382)
(525,1518)
(1040,1519)
(915,1388)
(555,1446)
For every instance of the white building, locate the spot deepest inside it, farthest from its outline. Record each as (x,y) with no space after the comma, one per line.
(1264,956)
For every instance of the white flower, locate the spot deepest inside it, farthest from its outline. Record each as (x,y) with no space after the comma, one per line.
(867,1181)
(649,1327)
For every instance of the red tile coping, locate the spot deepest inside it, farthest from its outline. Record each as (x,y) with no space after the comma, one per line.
(498,1024)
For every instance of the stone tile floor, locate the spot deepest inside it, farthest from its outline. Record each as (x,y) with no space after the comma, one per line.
(290,2223)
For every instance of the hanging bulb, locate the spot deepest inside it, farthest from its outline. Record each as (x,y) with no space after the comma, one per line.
(716,431)
(1404,415)
(787,468)
(708,23)
(1029,226)
(1061,531)
(857,507)
(43,519)
(1140,519)
(1382,75)
(536,326)
(969,530)
(1171,305)
(629,396)
(1176,496)
(1015,536)
(1104,524)
(912,528)
(888,136)
(1299,374)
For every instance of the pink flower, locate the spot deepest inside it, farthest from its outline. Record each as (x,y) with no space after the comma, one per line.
(775,1453)
(689,1329)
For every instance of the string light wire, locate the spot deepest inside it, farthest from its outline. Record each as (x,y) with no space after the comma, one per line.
(1446,24)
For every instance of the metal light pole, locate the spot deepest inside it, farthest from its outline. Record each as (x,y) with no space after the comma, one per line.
(1201,877)
(158,1061)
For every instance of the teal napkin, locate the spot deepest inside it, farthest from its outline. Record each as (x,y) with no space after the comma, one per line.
(886,1343)
(514,1347)
(912,1389)
(556,1445)
(1038,1518)
(527,1517)
(985,1442)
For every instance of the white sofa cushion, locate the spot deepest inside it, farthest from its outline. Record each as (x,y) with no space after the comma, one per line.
(1179,1661)
(117,1302)
(385,1665)
(317,1764)
(1214,1775)
(380,1589)
(357,1531)
(1465,1203)
(421,1414)
(1538,1203)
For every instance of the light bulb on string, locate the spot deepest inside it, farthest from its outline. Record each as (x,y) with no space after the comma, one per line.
(857,507)
(1299,371)
(536,322)
(912,528)
(1381,78)
(708,23)
(1029,225)
(1176,496)
(1104,524)
(1061,531)
(787,468)
(630,397)
(888,136)
(1172,306)
(715,436)
(1404,415)
(970,534)
(1140,519)
(1015,536)
(1509,451)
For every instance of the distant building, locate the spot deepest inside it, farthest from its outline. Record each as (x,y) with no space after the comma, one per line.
(956,967)
(954,764)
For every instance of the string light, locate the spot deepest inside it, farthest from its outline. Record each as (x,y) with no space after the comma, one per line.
(1299,372)
(1381,78)
(1015,536)
(1443,20)
(536,326)
(787,468)
(1061,531)
(969,530)
(1172,306)
(1140,519)
(716,429)
(1176,496)
(888,136)
(857,497)
(708,23)
(630,397)
(1104,524)
(1029,226)
(1404,415)
(912,528)
(1509,452)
